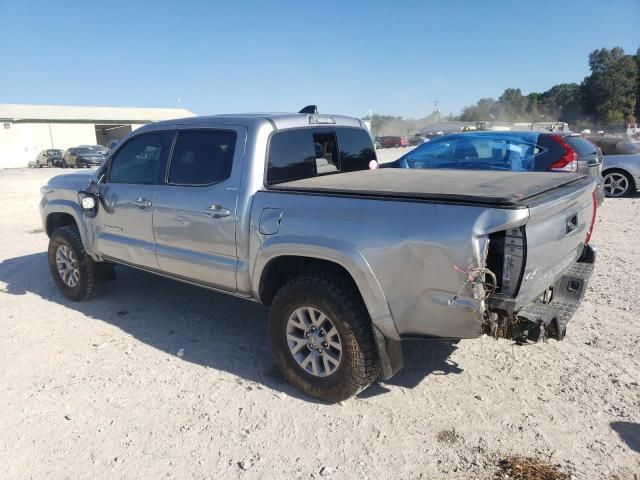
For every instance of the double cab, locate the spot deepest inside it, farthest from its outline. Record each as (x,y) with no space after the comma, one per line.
(289,210)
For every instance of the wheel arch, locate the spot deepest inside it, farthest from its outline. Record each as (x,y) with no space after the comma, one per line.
(282,258)
(56,220)
(59,213)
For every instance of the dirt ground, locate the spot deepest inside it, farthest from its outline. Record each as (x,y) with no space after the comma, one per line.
(158,379)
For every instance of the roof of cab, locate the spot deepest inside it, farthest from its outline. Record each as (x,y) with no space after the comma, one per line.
(278,121)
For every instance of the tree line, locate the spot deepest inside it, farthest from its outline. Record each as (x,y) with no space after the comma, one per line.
(609,95)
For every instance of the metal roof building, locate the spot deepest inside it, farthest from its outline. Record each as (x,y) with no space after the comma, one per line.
(25,130)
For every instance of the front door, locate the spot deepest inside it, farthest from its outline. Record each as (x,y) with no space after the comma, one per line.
(124,224)
(194,212)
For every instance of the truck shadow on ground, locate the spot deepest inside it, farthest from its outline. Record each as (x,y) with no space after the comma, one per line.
(629,433)
(207,328)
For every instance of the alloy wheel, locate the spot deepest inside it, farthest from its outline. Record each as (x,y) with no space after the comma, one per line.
(68,267)
(314,341)
(616,184)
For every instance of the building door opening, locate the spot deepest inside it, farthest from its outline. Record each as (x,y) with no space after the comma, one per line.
(108,133)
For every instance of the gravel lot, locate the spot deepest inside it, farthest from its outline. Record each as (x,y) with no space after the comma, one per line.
(158,379)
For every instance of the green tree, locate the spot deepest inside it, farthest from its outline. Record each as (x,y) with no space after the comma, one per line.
(484,109)
(612,88)
(512,105)
(563,102)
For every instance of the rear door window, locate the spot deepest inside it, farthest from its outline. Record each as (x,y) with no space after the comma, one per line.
(304,153)
(202,157)
(481,152)
(582,146)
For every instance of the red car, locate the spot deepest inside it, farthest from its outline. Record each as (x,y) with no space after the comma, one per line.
(391,141)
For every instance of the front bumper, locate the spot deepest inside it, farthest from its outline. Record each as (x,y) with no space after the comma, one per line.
(548,316)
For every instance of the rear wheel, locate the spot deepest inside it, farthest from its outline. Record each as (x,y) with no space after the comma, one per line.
(617,183)
(321,337)
(74,272)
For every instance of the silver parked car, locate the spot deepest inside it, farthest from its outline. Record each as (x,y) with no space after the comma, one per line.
(290,211)
(621,174)
(621,165)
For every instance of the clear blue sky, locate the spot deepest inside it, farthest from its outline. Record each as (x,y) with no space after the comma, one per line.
(394,57)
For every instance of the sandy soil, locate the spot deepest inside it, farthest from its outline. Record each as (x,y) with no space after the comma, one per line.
(157,379)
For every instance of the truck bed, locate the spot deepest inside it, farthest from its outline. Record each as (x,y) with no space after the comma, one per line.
(490,188)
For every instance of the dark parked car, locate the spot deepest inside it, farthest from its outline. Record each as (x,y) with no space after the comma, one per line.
(78,157)
(415,140)
(98,148)
(616,146)
(49,158)
(516,151)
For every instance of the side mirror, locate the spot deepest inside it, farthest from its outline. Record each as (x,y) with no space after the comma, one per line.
(88,203)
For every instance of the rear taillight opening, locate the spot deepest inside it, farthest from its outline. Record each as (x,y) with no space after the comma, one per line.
(568,162)
(593,218)
(506,259)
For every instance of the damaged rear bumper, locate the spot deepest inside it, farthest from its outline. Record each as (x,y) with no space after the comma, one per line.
(549,314)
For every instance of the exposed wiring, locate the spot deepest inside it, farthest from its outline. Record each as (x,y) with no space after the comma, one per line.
(472,276)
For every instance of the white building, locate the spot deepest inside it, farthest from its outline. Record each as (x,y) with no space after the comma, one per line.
(25,130)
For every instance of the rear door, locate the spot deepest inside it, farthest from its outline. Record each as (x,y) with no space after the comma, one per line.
(124,224)
(194,213)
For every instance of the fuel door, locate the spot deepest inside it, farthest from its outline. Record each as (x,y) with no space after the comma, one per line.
(270,220)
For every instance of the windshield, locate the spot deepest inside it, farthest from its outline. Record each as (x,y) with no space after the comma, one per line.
(86,150)
(475,151)
(630,147)
(54,152)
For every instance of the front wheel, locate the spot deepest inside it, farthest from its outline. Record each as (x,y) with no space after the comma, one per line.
(74,272)
(322,338)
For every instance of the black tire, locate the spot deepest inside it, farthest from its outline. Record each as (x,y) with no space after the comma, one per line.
(90,275)
(359,365)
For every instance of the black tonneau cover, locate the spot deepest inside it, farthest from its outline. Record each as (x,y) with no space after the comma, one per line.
(506,189)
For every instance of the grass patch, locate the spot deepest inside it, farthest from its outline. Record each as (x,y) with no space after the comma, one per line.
(527,468)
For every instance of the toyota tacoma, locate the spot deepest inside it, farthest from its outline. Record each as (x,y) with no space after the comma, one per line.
(289,210)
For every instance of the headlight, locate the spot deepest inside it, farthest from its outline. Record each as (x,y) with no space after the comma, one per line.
(89,203)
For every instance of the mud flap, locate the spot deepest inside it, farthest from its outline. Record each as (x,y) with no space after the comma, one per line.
(389,353)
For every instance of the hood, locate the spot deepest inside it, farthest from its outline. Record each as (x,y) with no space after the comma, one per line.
(71,181)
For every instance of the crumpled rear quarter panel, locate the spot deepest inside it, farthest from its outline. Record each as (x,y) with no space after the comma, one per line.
(411,247)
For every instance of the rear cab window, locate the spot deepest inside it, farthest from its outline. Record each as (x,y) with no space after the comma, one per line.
(302,153)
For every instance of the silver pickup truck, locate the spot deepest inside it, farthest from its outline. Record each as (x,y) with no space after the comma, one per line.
(290,211)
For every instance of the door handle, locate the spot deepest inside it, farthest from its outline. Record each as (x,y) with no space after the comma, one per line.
(216,211)
(141,202)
